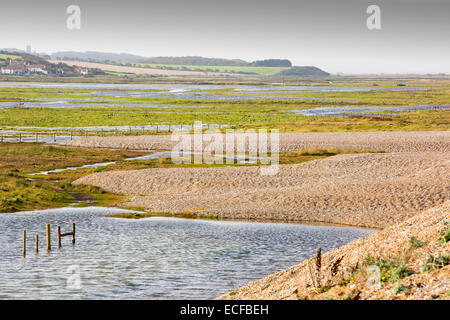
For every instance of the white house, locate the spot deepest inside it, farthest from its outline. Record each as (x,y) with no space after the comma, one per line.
(36,68)
(15,67)
(80,70)
(6,70)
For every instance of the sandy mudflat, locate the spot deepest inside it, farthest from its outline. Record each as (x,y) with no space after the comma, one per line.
(387,141)
(371,190)
(391,243)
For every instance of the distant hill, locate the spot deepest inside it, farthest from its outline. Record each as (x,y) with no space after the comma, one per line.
(303,72)
(96,56)
(125,58)
(195,61)
(11,50)
(277,67)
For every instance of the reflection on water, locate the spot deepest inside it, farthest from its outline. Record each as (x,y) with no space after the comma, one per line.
(348,111)
(155,258)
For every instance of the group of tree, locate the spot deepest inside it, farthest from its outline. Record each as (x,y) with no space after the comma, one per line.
(303,72)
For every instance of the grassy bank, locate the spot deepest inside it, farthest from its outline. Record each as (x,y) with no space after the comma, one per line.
(21,192)
(233,117)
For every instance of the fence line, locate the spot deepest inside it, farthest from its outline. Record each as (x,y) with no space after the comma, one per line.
(54,137)
(49,239)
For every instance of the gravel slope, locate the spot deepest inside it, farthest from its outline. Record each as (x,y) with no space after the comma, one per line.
(371,190)
(391,243)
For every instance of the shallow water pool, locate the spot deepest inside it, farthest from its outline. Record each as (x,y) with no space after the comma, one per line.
(154,258)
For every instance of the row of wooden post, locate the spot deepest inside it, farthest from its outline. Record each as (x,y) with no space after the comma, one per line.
(49,240)
(86,132)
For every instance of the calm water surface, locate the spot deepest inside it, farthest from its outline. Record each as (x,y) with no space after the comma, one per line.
(348,111)
(155,258)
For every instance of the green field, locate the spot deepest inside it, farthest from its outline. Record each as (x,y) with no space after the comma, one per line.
(262,71)
(8,56)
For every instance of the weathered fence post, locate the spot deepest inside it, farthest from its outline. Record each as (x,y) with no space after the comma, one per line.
(49,244)
(24,250)
(73,233)
(59,237)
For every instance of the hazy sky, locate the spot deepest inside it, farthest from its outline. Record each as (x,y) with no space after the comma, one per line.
(330,34)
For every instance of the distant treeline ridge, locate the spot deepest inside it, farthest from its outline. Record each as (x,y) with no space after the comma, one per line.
(186,60)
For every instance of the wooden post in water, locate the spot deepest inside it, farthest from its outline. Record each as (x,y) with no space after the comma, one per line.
(37,243)
(49,243)
(73,233)
(54,137)
(24,250)
(59,237)
(36,137)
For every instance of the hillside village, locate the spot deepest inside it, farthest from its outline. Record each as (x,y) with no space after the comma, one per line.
(21,67)
(25,64)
